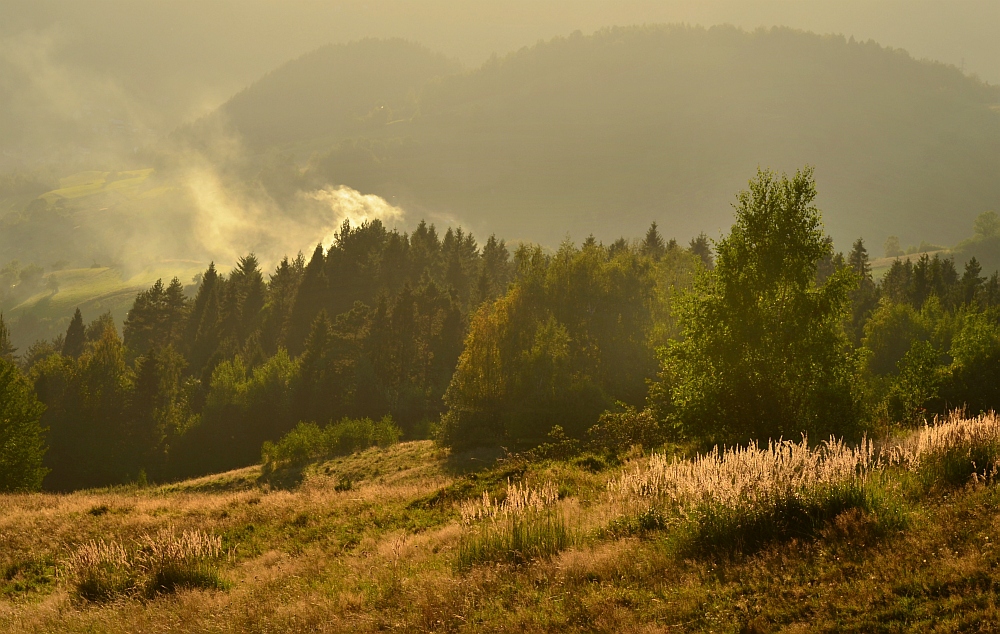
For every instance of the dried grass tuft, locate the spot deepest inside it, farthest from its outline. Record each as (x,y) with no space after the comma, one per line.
(101,571)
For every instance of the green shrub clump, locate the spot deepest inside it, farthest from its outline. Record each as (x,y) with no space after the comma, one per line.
(309,442)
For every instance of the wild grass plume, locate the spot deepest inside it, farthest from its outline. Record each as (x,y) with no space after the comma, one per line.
(105,570)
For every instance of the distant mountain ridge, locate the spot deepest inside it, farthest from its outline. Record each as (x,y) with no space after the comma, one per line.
(335,91)
(608,132)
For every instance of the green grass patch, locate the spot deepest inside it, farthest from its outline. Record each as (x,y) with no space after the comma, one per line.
(516,540)
(27,575)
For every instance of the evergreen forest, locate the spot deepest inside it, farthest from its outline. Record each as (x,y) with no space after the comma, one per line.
(766,332)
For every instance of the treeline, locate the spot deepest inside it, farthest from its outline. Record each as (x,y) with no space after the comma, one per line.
(593,345)
(372,326)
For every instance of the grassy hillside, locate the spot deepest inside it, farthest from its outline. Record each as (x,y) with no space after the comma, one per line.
(388,539)
(605,133)
(95,291)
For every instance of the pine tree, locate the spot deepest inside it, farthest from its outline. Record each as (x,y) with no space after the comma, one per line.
(320,385)
(858,260)
(653,245)
(76,336)
(7,349)
(201,334)
(972,282)
(699,246)
(309,301)
(281,289)
(425,253)
(864,298)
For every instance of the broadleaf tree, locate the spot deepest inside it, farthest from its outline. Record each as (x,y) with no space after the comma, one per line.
(763,352)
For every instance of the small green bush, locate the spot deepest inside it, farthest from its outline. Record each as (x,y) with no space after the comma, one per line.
(308,442)
(617,432)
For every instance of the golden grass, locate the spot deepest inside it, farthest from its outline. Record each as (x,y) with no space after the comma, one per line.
(381,556)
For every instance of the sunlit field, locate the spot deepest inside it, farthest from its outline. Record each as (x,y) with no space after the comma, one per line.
(823,537)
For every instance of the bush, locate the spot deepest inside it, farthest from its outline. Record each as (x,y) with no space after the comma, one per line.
(307,442)
(616,432)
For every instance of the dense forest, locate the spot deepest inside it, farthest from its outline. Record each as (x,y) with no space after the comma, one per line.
(764,333)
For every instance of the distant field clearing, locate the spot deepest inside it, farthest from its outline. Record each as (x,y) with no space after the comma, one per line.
(92,182)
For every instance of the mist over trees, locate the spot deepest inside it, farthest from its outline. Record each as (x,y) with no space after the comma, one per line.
(671,118)
(763,333)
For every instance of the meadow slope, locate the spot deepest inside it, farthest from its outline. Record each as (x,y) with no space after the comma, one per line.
(375,542)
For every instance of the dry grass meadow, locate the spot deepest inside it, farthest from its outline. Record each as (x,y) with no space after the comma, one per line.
(892,536)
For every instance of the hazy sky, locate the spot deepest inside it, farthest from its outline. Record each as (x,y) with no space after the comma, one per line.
(179,58)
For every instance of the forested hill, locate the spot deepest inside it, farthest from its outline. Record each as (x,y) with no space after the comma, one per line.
(334,92)
(605,133)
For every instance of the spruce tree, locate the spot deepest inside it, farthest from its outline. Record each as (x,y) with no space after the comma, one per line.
(699,246)
(309,301)
(7,349)
(653,245)
(76,336)
(858,260)
(864,299)
(972,282)
(200,336)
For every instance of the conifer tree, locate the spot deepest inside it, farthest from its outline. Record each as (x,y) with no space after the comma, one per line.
(972,282)
(653,245)
(858,261)
(7,349)
(319,387)
(201,336)
(699,246)
(281,289)
(309,301)
(76,336)
(864,299)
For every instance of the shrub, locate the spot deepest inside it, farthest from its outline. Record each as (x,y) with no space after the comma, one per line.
(307,442)
(616,432)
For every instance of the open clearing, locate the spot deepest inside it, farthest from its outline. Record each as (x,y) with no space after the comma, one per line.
(370,542)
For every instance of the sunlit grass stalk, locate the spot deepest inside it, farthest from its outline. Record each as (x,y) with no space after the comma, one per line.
(739,498)
(105,570)
(525,525)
